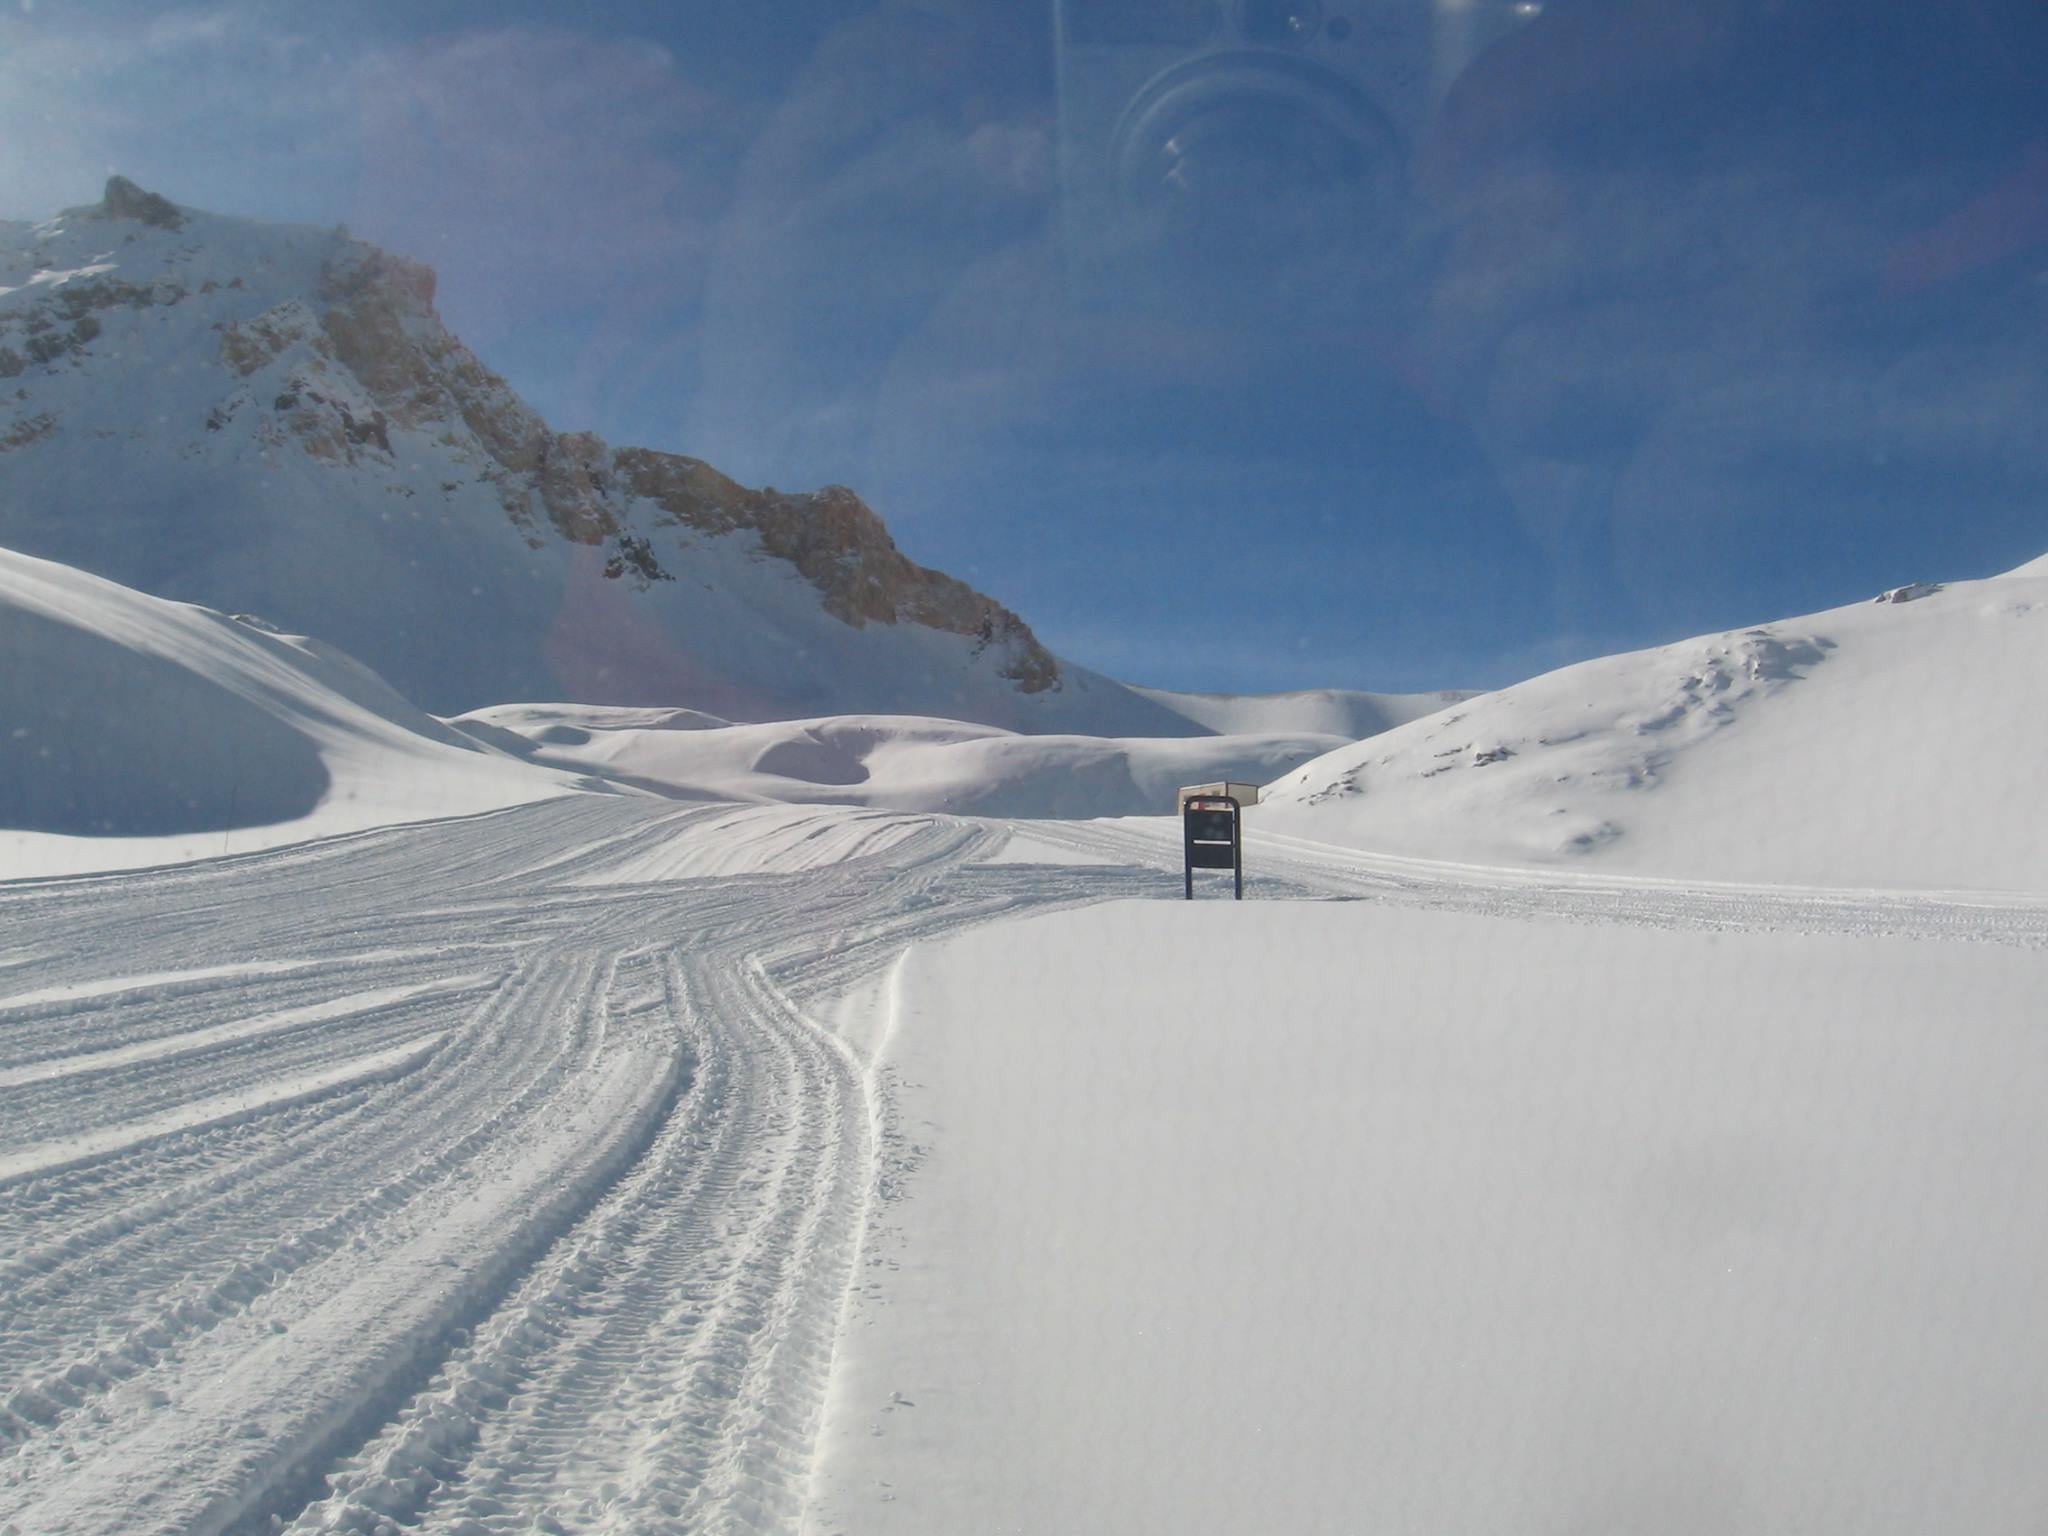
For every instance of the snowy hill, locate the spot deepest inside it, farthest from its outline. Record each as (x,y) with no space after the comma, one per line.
(273,418)
(886,762)
(1344,712)
(1895,743)
(138,731)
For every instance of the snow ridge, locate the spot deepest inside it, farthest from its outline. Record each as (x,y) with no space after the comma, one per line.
(1878,745)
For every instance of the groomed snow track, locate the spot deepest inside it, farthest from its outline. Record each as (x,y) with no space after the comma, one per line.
(468,1177)
(433,1179)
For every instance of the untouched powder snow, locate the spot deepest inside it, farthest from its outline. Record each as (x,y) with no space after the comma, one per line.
(1894,743)
(894,762)
(136,731)
(1349,1217)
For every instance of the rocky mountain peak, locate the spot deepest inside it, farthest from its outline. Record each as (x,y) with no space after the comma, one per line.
(125,200)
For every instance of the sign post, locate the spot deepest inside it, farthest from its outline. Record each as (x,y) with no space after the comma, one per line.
(1212,837)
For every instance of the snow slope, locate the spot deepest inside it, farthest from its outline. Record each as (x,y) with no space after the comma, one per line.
(273,418)
(1358,1217)
(886,761)
(1343,712)
(1890,744)
(138,731)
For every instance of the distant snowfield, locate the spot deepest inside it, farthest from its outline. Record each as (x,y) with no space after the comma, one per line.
(893,762)
(1360,1218)
(1889,744)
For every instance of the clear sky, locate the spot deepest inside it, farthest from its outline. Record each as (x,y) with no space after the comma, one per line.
(1234,343)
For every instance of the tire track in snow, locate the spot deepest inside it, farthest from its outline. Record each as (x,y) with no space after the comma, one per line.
(662,1369)
(67,1323)
(584,1265)
(360,1316)
(160,1393)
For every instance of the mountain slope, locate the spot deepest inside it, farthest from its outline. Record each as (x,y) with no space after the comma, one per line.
(270,417)
(142,731)
(1890,744)
(1345,712)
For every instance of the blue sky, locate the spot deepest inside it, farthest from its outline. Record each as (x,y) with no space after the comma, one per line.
(1671,315)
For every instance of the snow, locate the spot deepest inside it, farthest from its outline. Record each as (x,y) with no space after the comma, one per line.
(179,733)
(759,840)
(1022,848)
(1884,745)
(1326,711)
(197,1115)
(895,762)
(1354,1217)
(616,1165)
(139,731)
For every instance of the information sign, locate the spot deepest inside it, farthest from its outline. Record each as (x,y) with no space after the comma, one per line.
(1212,837)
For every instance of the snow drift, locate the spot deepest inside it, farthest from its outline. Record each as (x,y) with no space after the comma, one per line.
(889,762)
(1894,743)
(136,730)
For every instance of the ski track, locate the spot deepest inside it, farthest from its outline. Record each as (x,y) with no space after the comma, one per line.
(488,1176)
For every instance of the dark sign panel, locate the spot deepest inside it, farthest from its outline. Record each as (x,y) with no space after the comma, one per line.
(1213,829)
(1212,836)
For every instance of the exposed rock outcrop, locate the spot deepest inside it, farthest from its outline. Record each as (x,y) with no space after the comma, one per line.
(381,325)
(125,200)
(838,544)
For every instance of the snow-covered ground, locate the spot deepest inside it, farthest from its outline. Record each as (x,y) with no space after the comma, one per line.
(592,1162)
(1889,744)
(1362,1217)
(603,1165)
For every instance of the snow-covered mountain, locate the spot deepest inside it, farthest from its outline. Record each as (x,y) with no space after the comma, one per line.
(273,418)
(1894,743)
(139,731)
